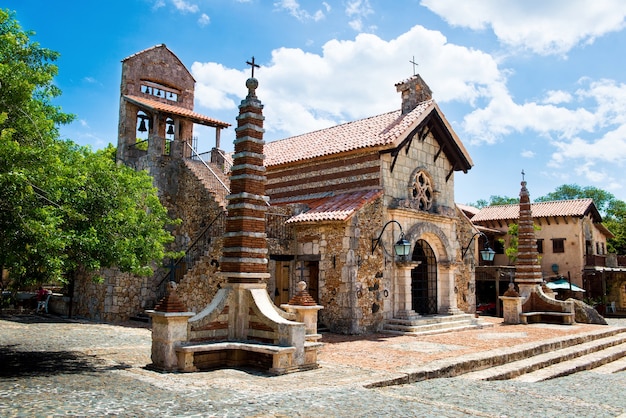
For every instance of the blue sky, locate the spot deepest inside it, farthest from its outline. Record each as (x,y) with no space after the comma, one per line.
(537,85)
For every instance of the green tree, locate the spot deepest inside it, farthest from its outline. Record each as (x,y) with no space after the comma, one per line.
(494,200)
(603,200)
(63,207)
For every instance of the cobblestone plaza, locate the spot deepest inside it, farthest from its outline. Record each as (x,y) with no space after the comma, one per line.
(54,367)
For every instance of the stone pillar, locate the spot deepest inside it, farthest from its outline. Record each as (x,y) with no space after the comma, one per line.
(511,309)
(244,258)
(511,306)
(169,329)
(305,309)
(446,271)
(402,297)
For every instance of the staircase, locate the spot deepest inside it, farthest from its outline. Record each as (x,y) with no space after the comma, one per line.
(435,324)
(605,349)
(212,178)
(602,350)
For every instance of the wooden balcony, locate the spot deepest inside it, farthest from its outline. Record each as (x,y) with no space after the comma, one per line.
(608,260)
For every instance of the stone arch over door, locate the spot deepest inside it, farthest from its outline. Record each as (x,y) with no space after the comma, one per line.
(424,279)
(441,248)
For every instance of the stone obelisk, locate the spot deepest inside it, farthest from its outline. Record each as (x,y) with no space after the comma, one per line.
(245,251)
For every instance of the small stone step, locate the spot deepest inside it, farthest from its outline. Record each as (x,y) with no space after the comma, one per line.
(437,330)
(433,324)
(532,363)
(426,320)
(618,365)
(586,362)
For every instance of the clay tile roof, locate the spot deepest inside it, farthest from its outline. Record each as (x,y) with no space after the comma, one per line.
(336,208)
(574,208)
(156,106)
(375,131)
(469,211)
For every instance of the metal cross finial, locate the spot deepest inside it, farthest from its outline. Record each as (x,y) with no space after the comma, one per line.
(414,64)
(252,64)
(523,174)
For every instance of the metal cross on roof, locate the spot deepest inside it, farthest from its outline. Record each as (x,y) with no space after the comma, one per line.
(414,64)
(523,174)
(252,64)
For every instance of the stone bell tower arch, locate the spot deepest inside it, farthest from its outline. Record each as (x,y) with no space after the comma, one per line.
(156,113)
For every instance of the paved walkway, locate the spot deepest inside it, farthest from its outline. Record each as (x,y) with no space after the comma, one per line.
(53,367)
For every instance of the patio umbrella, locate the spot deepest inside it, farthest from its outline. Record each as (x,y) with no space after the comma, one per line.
(564,285)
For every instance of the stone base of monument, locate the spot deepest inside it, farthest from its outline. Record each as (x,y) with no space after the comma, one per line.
(533,304)
(241,327)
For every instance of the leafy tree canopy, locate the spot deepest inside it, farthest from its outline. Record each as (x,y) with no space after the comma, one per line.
(495,200)
(63,207)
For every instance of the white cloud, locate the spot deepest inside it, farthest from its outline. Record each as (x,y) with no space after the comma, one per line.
(204,19)
(294,9)
(185,7)
(357,10)
(216,85)
(543,27)
(350,79)
(528,154)
(556,97)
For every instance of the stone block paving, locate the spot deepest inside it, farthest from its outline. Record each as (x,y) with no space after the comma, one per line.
(55,367)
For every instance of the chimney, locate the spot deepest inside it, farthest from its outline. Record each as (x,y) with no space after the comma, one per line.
(414,91)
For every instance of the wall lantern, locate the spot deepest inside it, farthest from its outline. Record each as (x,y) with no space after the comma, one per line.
(401,248)
(486,253)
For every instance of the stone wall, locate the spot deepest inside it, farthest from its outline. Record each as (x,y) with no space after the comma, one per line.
(115,298)
(201,283)
(465,279)
(122,295)
(351,283)
(423,156)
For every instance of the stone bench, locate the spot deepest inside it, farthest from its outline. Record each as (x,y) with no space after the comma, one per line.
(207,355)
(566,317)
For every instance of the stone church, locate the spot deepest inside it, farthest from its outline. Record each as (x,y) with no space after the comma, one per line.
(339,199)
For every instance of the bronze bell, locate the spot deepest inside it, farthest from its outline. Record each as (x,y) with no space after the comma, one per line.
(142,126)
(170,130)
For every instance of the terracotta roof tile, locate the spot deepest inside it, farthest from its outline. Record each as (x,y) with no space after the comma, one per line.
(336,208)
(374,131)
(156,106)
(576,207)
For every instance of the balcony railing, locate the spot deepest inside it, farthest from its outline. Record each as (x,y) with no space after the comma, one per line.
(608,260)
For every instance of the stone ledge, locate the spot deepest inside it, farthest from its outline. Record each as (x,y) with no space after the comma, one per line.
(568,317)
(235,345)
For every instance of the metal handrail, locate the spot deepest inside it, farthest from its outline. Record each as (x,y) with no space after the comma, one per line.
(192,248)
(210,169)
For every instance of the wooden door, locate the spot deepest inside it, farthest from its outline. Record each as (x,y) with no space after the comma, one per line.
(281,293)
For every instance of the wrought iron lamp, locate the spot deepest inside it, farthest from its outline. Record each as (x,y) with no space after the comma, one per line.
(400,248)
(486,253)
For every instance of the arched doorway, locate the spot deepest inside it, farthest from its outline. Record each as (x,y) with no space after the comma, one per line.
(424,280)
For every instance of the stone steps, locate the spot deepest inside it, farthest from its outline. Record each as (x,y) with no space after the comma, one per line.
(585,362)
(433,324)
(210,179)
(592,351)
(479,366)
